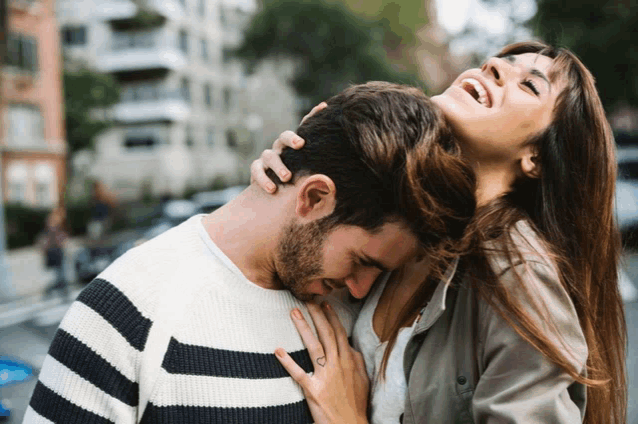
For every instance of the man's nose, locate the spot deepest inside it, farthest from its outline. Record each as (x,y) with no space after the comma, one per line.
(361,283)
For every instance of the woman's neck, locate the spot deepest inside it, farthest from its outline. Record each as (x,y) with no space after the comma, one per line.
(492,182)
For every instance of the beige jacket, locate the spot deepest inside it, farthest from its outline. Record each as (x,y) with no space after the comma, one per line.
(465,364)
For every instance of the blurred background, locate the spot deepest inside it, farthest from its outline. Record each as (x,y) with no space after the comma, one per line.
(121,118)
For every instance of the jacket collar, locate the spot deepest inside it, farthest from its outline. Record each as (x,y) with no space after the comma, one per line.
(436,306)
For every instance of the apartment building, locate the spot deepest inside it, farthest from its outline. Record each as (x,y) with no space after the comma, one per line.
(181,121)
(32,137)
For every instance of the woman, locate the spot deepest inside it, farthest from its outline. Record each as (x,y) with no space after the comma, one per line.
(528,324)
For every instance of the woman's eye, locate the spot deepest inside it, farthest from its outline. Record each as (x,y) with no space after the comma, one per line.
(531,86)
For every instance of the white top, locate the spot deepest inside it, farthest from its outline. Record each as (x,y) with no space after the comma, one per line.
(387,395)
(219,366)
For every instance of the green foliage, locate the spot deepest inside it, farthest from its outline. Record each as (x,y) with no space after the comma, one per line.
(603,34)
(23,224)
(335,46)
(85,92)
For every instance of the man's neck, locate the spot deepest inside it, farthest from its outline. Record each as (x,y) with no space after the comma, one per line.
(247,230)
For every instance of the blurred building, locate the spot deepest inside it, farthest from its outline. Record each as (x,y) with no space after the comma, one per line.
(32,138)
(186,117)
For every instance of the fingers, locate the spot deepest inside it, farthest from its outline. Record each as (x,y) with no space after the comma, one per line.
(320,106)
(258,175)
(340,333)
(296,372)
(314,346)
(287,139)
(272,160)
(324,331)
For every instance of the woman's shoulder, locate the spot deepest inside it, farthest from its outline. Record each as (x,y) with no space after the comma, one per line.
(520,245)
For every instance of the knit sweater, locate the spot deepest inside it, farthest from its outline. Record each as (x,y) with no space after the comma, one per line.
(219,365)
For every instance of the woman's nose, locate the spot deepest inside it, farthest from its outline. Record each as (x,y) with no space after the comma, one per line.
(497,69)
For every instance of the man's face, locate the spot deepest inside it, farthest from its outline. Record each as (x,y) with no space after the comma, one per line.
(313,259)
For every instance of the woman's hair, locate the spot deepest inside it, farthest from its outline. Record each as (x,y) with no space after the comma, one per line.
(570,206)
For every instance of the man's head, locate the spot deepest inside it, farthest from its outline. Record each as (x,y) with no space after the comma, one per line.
(368,189)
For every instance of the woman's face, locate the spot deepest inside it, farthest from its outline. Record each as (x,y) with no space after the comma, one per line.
(494,110)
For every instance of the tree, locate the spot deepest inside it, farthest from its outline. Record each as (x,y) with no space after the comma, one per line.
(85,93)
(604,35)
(335,47)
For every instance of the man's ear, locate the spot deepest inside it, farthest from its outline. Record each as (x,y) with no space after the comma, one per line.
(530,163)
(316,197)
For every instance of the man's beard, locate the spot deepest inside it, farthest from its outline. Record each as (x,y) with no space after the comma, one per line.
(300,255)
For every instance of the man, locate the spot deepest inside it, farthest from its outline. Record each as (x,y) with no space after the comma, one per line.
(218,289)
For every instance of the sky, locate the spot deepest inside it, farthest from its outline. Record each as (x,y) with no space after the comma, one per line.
(491,20)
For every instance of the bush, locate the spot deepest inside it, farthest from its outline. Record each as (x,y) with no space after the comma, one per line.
(23,224)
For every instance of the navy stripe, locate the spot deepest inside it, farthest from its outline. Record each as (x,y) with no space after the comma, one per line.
(55,408)
(198,360)
(108,301)
(80,359)
(282,414)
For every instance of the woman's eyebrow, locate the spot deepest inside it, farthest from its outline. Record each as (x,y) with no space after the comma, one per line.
(538,73)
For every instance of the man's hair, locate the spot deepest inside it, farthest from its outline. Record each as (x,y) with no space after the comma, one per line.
(385,147)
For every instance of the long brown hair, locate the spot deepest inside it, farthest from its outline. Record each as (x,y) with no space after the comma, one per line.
(571,208)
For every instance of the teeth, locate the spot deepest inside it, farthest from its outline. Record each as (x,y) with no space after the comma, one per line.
(482,94)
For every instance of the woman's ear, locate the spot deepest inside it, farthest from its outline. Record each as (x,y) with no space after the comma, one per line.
(316,197)
(530,164)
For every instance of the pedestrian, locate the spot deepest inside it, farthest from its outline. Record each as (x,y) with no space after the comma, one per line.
(181,329)
(527,324)
(103,204)
(52,242)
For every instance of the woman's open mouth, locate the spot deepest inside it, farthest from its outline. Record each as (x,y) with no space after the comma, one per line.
(477,91)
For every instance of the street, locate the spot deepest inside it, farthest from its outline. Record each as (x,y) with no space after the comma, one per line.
(29,342)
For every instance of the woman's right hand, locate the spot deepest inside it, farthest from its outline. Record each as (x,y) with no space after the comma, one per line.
(270,159)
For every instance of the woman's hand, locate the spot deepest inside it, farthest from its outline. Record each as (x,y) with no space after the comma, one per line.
(269,158)
(337,392)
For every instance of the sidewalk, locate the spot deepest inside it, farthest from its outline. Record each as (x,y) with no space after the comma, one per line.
(29,279)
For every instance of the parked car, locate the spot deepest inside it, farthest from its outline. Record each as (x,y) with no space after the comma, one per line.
(627,190)
(95,256)
(208,201)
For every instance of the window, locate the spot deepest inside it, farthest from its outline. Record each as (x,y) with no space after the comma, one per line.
(231,139)
(22,52)
(17,176)
(190,141)
(186,90)
(208,95)
(202,9)
(227,55)
(210,137)
(143,91)
(25,126)
(183,41)
(45,186)
(228,99)
(123,40)
(74,36)
(145,137)
(204,49)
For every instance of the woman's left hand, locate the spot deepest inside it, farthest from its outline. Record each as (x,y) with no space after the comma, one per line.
(337,392)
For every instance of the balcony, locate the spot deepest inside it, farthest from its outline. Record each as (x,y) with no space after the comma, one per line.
(141,50)
(153,105)
(117,10)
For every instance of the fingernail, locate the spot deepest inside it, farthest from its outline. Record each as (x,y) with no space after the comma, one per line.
(270,187)
(326,306)
(284,174)
(279,352)
(297,314)
(297,142)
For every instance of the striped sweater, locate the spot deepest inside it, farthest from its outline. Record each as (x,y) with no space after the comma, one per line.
(219,365)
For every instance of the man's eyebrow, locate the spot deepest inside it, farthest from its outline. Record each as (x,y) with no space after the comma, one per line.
(537,73)
(374,262)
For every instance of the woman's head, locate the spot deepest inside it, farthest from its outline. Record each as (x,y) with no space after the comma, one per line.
(566,189)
